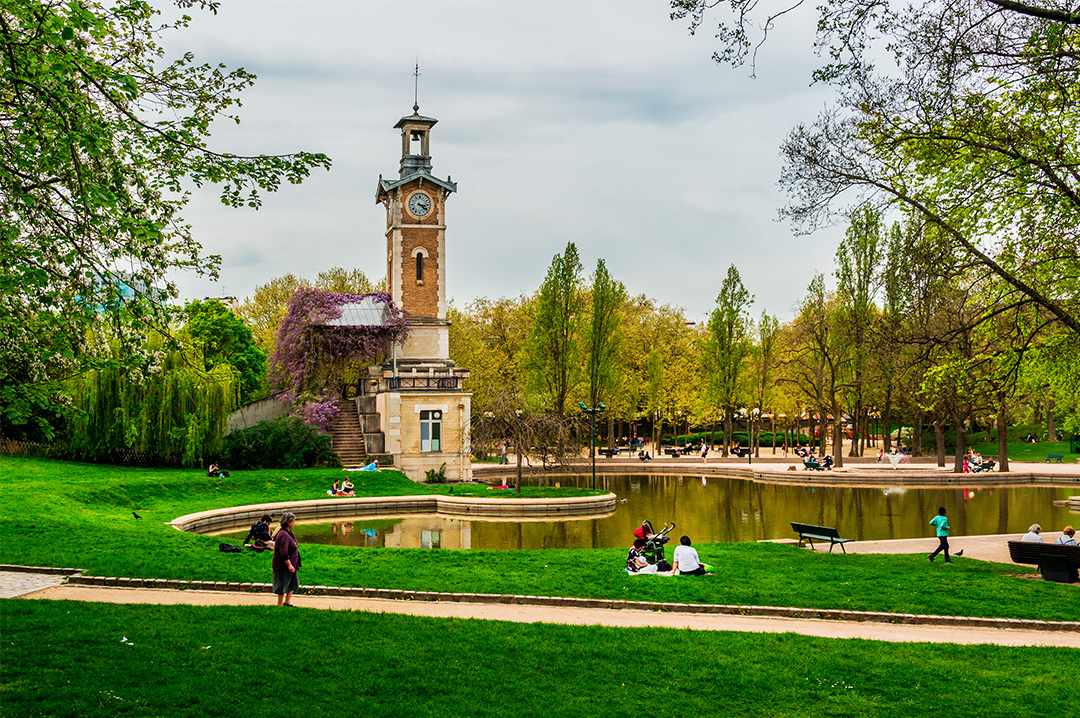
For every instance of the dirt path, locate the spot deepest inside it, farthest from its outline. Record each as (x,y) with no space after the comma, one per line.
(580,616)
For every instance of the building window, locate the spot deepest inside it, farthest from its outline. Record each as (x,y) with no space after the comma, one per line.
(430,430)
(420,269)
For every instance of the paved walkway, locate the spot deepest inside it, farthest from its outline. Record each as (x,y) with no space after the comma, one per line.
(18,583)
(583,616)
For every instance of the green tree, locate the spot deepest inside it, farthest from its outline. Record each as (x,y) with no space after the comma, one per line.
(488,337)
(858,261)
(222,338)
(727,346)
(606,299)
(100,139)
(964,113)
(554,353)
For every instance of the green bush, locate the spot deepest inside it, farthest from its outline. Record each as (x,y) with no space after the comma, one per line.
(285,443)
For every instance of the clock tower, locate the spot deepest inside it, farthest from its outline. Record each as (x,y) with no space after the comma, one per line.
(419,397)
(416,241)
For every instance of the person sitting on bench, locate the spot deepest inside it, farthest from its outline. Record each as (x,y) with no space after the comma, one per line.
(1032,536)
(685,561)
(1067,537)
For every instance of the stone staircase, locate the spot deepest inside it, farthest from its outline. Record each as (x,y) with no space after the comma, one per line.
(348,434)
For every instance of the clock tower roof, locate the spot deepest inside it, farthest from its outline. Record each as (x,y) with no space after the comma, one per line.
(415,119)
(386,186)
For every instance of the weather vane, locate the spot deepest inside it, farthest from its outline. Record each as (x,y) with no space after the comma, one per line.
(416,88)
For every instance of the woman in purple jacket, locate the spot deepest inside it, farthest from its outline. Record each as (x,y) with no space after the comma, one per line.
(286,560)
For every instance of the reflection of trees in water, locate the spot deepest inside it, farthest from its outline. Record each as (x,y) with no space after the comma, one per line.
(725,509)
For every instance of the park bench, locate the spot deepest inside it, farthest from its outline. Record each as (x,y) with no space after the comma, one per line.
(1055,457)
(809,532)
(812,465)
(608,452)
(1056,562)
(673,452)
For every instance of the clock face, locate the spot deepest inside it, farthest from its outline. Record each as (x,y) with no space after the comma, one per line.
(419,204)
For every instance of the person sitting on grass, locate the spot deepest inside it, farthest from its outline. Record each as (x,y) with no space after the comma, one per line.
(260,531)
(636,561)
(1067,537)
(685,561)
(346,488)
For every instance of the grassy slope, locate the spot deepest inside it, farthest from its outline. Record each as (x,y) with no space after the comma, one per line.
(65,514)
(1020,451)
(233,661)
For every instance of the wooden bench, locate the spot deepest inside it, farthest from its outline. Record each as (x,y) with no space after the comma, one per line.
(812,465)
(672,452)
(809,532)
(1056,562)
(608,452)
(1055,457)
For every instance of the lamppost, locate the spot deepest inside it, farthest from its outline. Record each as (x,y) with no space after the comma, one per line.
(592,433)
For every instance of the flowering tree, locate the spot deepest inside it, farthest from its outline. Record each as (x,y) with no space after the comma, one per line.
(312,357)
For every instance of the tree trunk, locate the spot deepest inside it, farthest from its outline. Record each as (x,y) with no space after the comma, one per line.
(772,428)
(1051,430)
(886,418)
(1003,438)
(856,422)
(961,440)
(838,439)
(727,431)
(517,447)
(821,432)
(916,438)
(939,435)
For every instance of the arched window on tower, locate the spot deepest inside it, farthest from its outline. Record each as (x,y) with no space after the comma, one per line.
(420,255)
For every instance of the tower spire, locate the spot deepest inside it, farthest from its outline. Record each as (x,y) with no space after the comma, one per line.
(416,88)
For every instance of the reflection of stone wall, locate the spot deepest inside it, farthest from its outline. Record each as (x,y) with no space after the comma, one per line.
(452,534)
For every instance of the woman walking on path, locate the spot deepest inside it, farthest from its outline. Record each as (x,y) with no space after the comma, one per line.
(942,525)
(286,561)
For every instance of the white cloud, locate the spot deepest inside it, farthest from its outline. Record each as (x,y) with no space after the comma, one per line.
(602,123)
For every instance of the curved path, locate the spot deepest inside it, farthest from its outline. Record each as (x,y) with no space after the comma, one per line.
(575,616)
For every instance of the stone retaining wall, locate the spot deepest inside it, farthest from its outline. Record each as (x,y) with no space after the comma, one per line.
(461,506)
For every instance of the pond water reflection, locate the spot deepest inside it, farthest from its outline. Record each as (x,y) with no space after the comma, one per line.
(721,509)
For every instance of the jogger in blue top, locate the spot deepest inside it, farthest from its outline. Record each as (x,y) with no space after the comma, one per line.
(941,523)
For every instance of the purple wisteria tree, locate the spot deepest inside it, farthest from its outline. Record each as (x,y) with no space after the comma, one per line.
(313,357)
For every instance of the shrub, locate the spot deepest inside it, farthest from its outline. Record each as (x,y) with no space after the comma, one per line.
(285,443)
(436,477)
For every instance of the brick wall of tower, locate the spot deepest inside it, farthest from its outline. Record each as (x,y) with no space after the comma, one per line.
(420,300)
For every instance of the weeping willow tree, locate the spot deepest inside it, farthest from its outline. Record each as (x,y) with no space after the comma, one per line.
(170,412)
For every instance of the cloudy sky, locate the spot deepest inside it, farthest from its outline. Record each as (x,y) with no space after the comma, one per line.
(599,122)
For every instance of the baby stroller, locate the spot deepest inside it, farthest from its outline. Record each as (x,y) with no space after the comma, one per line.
(654,543)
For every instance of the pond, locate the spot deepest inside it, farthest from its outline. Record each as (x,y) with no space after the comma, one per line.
(715,508)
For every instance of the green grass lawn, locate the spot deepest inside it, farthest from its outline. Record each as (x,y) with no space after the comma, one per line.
(1020,451)
(80,515)
(77,659)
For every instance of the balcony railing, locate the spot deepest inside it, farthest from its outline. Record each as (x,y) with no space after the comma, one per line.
(422,383)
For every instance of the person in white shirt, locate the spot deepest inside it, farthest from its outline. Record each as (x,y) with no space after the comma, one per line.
(1067,537)
(1032,536)
(686,561)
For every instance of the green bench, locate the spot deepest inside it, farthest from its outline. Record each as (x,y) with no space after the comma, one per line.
(809,532)
(1055,457)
